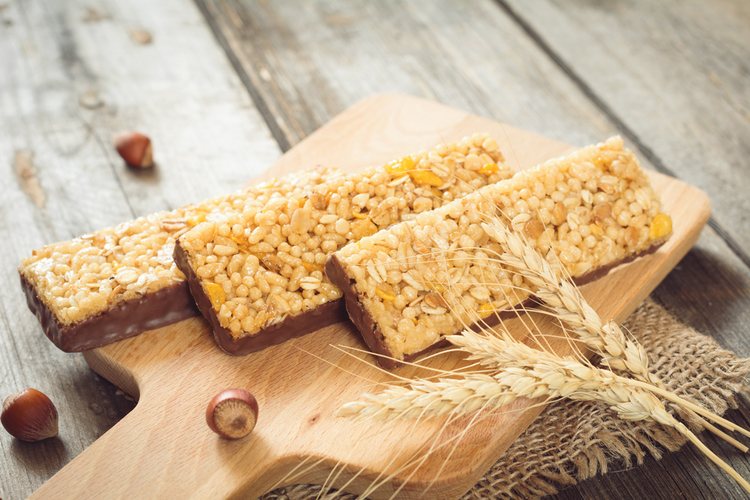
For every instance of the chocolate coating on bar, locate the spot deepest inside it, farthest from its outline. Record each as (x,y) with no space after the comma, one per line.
(292,327)
(357,313)
(164,307)
(368,328)
(373,337)
(488,322)
(600,272)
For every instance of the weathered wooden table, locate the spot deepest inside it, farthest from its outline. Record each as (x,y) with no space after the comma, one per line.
(223,88)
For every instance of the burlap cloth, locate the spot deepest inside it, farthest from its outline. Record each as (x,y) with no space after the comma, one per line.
(572,441)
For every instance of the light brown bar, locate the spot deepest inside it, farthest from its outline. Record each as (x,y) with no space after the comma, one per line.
(120,281)
(409,286)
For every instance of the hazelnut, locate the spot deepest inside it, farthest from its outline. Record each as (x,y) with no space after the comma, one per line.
(232,413)
(29,415)
(135,149)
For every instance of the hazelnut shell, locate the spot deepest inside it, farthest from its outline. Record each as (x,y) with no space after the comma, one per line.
(29,415)
(232,414)
(135,148)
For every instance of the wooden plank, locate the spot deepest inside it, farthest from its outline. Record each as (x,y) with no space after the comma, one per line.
(708,291)
(274,46)
(697,128)
(680,92)
(673,75)
(308,61)
(59,59)
(164,447)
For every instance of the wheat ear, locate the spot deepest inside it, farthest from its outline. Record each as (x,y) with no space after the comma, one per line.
(522,372)
(565,300)
(617,351)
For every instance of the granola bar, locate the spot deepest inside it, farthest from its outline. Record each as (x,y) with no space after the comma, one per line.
(121,281)
(408,286)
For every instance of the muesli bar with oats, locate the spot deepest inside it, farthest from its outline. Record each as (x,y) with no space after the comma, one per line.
(410,285)
(120,281)
(258,276)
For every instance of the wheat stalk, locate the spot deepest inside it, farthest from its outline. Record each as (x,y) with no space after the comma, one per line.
(496,352)
(428,398)
(565,300)
(521,372)
(517,370)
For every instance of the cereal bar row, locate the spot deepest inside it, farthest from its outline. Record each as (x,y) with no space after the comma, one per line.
(257,275)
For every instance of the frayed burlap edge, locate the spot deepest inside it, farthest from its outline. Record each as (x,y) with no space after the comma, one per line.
(573,441)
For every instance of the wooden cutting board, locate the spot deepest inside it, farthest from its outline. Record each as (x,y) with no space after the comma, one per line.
(163,448)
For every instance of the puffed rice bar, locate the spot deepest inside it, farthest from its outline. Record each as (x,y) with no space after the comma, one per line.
(121,281)
(409,286)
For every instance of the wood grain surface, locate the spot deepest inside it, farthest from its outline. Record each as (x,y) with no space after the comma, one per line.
(545,66)
(164,449)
